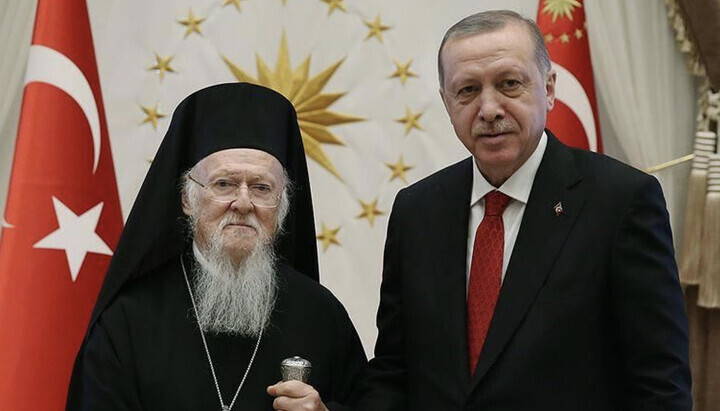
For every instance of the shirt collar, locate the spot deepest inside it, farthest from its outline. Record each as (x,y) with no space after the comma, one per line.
(519,184)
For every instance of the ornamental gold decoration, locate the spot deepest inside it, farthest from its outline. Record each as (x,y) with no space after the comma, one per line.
(306,95)
(328,237)
(402,71)
(162,66)
(399,169)
(560,8)
(192,24)
(370,211)
(335,4)
(235,3)
(411,120)
(152,114)
(376,29)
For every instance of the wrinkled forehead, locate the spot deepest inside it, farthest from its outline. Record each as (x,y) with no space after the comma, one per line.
(237,161)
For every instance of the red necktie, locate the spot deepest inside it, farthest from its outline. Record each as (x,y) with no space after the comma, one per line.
(485,274)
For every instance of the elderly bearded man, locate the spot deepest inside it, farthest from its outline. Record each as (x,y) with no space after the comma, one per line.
(529,276)
(202,322)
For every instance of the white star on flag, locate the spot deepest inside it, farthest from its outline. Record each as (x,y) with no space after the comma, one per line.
(5,224)
(76,235)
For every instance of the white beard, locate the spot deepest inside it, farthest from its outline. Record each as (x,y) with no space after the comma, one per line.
(236,298)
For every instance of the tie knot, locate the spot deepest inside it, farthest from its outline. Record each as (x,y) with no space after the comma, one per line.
(495,203)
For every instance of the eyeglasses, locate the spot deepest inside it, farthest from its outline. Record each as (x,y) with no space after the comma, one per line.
(227,191)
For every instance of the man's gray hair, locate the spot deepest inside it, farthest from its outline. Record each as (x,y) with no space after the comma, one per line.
(191,192)
(494,20)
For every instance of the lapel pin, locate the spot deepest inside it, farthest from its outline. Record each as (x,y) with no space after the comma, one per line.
(559,209)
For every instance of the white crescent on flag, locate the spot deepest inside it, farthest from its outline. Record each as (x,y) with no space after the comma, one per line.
(571,92)
(46,65)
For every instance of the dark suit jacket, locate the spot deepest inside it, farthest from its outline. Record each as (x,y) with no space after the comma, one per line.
(590,315)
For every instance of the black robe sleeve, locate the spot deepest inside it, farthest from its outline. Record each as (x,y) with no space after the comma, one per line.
(103,378)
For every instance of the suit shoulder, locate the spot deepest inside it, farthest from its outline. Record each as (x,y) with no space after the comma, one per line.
(443,175)
(609,174)
(428,186)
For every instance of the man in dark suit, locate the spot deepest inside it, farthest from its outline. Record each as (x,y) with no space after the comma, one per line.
(531,276)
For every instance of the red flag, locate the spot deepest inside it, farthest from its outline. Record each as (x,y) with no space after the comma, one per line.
(574,118)
(62,218)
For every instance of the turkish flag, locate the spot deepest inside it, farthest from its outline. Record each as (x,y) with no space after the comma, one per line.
(574,118)
(62,218)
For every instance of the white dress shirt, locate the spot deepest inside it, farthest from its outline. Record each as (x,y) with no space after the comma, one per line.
(517,187)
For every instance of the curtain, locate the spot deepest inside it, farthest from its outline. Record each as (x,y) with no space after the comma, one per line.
(16,24)
(644,89)
(703,20)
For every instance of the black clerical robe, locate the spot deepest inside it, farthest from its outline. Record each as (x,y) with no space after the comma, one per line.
(146,353)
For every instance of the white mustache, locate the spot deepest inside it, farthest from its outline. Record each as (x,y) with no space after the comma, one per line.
(249,220)
(494,128)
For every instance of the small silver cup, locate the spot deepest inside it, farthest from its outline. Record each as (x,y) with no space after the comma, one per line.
(295,368)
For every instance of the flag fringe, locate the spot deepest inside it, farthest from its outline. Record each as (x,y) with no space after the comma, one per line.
(690,251)
(694,208)
(709,296)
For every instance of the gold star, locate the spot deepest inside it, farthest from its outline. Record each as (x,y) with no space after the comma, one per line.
(402,71)
(369,212)
(399,169)
(560,8)
(578,34)
(306,94)
(152,114)
(235,3)
(162,66)
(335,4)
(411,120)
(549,38)
(564,38)
(192,23)
(328,237)
(376,29)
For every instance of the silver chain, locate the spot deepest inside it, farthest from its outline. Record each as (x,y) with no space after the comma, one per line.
(207,351)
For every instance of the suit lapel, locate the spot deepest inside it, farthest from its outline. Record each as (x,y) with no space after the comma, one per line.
(451,226)
(542,235)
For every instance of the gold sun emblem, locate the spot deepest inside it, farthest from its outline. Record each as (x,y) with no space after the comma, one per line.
(560,8)
(306,95)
